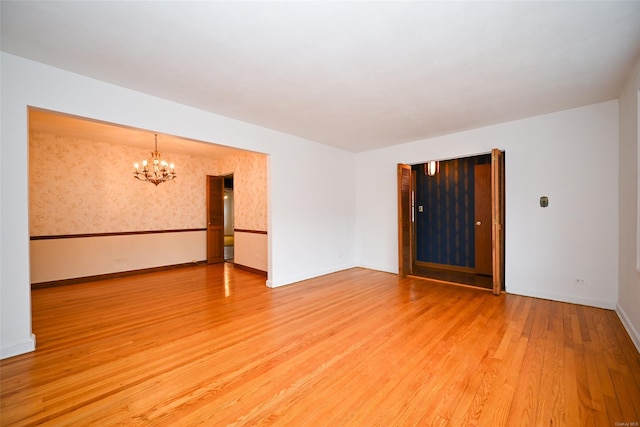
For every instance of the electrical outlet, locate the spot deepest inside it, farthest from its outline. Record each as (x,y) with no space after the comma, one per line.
(580,281)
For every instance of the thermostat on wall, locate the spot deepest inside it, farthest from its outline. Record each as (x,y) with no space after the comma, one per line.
(544,201)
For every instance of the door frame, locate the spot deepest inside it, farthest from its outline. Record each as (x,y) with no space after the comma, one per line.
(406,219)
(228,216)
(497,219)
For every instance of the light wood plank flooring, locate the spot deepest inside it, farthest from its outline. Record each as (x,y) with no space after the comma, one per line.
(208,345)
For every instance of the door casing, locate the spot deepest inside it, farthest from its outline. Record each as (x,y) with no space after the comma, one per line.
(406,214)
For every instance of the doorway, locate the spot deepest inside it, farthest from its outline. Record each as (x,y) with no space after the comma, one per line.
(450,222)
(220,219)
(228,219)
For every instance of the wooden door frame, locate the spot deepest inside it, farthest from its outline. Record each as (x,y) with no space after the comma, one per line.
(226,216)
(406,213)
(406,197)
(497,219)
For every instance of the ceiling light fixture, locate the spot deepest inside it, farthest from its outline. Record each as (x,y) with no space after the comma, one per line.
(431,168)
(155,170)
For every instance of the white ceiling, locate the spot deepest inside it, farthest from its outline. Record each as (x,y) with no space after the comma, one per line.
(354,75)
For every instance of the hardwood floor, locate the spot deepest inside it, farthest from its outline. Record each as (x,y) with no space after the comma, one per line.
(208,345)
(452,276)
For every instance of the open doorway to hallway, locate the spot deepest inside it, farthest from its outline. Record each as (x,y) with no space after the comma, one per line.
(451,220)
(228,218)
(450,238)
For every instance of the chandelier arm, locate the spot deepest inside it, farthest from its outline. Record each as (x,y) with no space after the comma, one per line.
(155,170)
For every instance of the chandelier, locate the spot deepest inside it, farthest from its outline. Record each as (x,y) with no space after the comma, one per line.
(154,170)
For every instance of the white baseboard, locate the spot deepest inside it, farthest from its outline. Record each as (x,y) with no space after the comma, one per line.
(296,279)
(633,333)
(20,348)
(383,268)
(609,305)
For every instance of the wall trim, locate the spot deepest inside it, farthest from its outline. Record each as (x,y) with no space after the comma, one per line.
(299,278)
(18,349)
(250,269)
(115,275)
(609,305)
(242,230)
(119,233)
(626,322)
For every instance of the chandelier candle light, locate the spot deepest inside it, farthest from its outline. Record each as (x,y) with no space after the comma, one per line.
(154,170)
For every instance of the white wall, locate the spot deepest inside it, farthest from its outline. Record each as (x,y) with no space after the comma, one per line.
(629,223)
(312,212)
(569,156)
(320,215)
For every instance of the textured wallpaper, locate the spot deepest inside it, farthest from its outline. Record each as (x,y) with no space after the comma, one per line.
(445,230)
(80,186)
(249,189)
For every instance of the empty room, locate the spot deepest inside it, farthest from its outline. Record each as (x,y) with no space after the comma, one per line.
(320,213)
